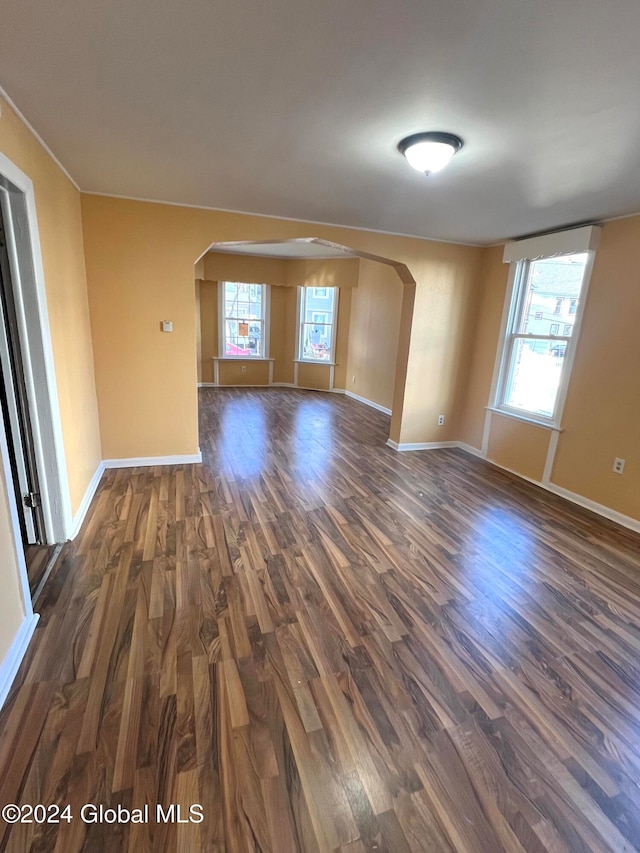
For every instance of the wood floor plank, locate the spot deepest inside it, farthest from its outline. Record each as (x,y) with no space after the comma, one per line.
(330,646)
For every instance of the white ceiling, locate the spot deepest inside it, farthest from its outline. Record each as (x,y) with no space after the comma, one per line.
(294,108)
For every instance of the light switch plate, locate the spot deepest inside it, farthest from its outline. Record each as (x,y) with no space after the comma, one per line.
(167,326)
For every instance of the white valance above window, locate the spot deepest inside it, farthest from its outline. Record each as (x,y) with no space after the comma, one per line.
(570,242)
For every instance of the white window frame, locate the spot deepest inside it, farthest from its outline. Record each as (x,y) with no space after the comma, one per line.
(301,323)
(265,319)
(520,255)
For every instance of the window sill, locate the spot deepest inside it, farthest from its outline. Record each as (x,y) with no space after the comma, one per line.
(313,361)
(528,419)
(239,358)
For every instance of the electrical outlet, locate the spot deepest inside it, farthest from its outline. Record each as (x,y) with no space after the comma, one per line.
(244,368)
(440,420)
(618,466)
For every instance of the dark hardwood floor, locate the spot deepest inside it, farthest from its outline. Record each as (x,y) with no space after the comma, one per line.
(37,559)
(331,646)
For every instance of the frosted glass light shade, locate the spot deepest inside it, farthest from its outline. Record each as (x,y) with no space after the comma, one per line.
(430,152)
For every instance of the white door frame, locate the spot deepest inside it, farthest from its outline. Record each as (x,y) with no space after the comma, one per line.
(23,243)
(23,578)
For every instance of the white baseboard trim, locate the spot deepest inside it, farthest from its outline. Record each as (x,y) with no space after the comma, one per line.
(422,445)
(78,518)
(599,509)
(222,387)
(284,385)
(364,400)
(152,461)
(468,448)
(13,658)
(319,390)
(574,498)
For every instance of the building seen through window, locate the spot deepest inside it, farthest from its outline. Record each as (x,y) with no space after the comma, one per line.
(244,320)
(318,311)
(546,299)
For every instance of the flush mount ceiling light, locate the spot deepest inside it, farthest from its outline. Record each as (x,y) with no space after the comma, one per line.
(429,152)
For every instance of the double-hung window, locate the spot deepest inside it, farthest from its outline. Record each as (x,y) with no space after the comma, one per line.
(243,313)
(318,316)
(535,351)
(541,328)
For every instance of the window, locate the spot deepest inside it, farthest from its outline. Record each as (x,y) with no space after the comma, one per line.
(243,332)
(318,312)
(573,305)
(534,365)
(538,315)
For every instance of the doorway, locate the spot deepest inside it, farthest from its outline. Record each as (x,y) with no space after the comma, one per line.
(31,444)
(17,421)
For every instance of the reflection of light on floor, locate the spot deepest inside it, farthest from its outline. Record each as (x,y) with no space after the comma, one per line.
(312,440)
(243,438)
(498,560)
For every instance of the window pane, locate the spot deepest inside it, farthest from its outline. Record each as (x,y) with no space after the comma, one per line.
(317,318)
(243,339)
(552,292)
(316,341)
(243,327)
(534,375)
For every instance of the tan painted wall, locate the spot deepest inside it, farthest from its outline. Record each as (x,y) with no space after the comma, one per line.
(60,227)
(208,312)
(483,346)
(315,376)
(602,413)
(602,410)
(137,276)
(282,338)
(140,261)
(255,372)
(198,324)
(330,272)
(340,273)
(219,266)
(11,607)
(518,446)
(402,360)
(446,295)
(345,298)
(373,333)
